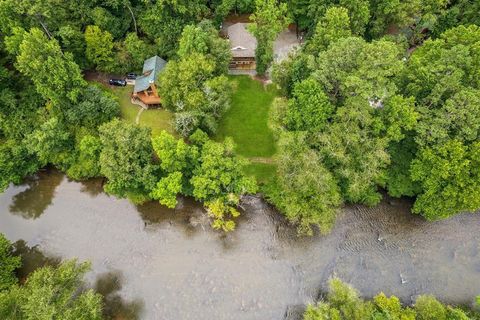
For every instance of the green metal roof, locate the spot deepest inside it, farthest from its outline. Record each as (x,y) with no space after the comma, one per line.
(151,69)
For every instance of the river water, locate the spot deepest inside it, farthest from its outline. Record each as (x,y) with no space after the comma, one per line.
(155,263)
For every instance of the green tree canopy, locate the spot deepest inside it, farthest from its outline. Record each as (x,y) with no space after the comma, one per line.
(99,48)
(126,160)
(219,181)
(305,191)
(332,27)
(52,293)
(204,39)
(8,264)
(269,19)
(55,75)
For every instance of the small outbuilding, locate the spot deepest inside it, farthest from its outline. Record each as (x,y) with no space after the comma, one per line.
(145,89)
(242,45)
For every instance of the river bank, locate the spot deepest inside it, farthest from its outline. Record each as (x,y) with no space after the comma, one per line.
(158,263)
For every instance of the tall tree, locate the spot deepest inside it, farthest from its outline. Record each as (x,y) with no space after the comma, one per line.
(204,39)
(55,75)
(190,88)
(99,48)
(52,143)
(53,293)
(305,191)
(164,20)
(126,160)
(309,109)
(219,181)
(449,175)
(332,27)
(269,19)
(8,264)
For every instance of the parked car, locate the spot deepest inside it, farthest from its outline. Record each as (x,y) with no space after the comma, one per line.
(117,82)
(131,76)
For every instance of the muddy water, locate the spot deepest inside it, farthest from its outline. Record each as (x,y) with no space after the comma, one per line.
(154,263)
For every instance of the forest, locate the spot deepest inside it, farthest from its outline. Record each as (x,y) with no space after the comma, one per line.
(382,97)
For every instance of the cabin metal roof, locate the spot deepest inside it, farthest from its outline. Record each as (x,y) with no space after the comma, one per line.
(151,69)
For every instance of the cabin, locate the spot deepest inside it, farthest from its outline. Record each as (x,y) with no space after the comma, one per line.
(145,89)
(242,45)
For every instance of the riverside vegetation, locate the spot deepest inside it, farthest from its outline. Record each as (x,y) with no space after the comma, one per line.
(383,95)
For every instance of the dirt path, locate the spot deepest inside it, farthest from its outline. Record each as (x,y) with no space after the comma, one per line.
(137,119)
(262,160)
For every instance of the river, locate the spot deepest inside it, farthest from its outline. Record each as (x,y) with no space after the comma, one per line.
(154,263)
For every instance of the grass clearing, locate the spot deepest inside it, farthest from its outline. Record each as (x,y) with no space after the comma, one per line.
(156,119)
(247,119)
(263,172)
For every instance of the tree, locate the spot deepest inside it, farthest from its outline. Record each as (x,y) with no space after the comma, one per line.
(95,107)
(219,181)
(55,75)
(164,21)
(413,16)
(106,20)
(297,67)
(179,82)
(343,303)
(442,67)
(126,160)
(176,160)
(444,81)
(352,149)
(86,164)
(305,191)
(52,143)
(8,264)
(353,67)
(53,293)
(134,52)
(174,154)
(334,25)
(391,308)
(457,118)
(73,40)
(189,88)
(309,109)
(359,12)
(15,163)
(99,48)
(269,19)
(449,176)
(429,308)
(167,189)
(204,39)
(20,105)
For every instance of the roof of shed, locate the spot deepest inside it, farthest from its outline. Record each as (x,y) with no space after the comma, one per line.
(242,42)
(151,69)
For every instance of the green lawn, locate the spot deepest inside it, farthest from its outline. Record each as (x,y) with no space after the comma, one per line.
(247,123)
(247,119)
(156,119)
(262,172)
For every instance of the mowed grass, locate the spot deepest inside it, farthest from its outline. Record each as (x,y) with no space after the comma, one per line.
(263,172)
(158,120)
(247,123)
(155,119)
(247,119)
